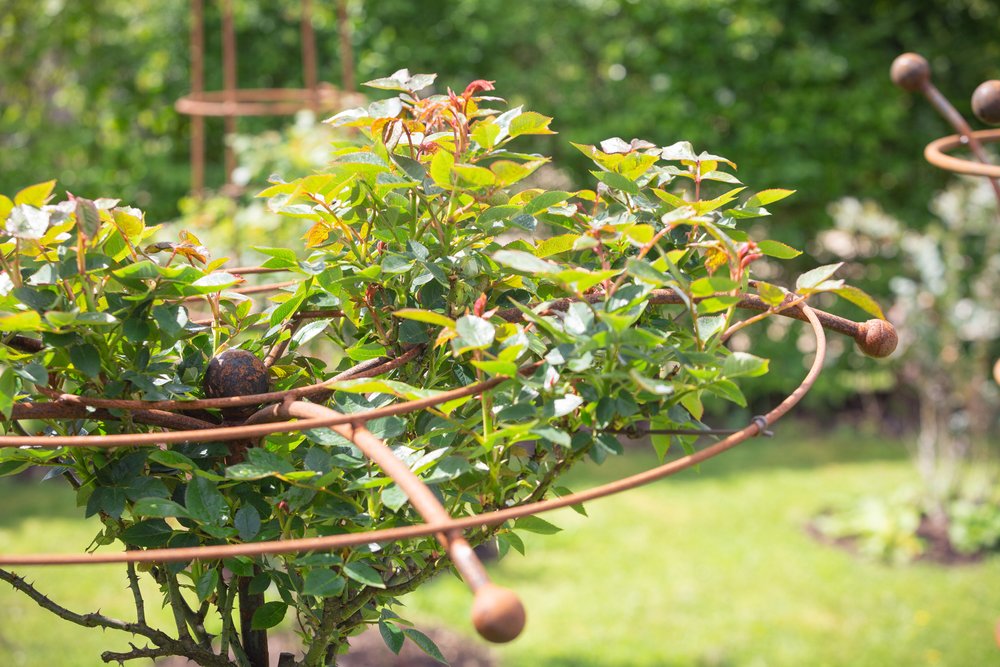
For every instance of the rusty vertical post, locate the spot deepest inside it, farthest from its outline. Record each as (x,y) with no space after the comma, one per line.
(197,86)
(346,48)
(229,82)
(309,55)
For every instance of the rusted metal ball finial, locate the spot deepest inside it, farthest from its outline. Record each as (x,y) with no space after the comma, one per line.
(910,71)
(986,102)
(497,614)
(235,373)
(876,338)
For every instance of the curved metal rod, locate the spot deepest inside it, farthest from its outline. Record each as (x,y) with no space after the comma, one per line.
(935,153)
(371,367)
(504,617)
(484,519)
(421,497)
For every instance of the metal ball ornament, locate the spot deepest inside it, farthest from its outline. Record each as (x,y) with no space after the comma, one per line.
(910,71)
(986,102)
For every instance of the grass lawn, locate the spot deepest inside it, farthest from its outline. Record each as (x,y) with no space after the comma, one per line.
(712,568)
(706,568)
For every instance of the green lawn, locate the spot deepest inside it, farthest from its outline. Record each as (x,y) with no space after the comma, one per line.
(706,568)
(713,568)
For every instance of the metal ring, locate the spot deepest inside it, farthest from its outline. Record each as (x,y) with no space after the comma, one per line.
(421,530)
(935,153)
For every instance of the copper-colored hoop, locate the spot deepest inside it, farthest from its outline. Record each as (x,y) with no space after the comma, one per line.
(443,527)
(936,154)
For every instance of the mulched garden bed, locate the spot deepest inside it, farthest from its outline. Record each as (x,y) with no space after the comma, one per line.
(934,534)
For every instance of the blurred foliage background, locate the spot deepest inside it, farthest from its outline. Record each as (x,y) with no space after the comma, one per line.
(796,92)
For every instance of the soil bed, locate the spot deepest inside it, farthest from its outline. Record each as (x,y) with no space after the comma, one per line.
(938,549)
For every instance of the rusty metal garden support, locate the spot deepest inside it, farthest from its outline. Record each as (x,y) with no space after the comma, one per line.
(911,72)
(496,612)
(233,102)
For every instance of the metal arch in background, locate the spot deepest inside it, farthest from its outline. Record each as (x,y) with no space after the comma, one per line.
(233,102)
(912,72)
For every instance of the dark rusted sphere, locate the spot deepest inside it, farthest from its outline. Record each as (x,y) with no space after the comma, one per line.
(877,338)
(910,71)
(235,373)
(497,614)
(986,102)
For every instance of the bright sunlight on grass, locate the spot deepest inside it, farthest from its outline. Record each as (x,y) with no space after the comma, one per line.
(713,568)
(707,568)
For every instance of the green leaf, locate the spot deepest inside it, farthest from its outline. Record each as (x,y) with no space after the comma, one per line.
(26,321)
(812,278)
(778,249)
(425,644)
(205,503)
(529,122)
(171,459)
(426,316)
(652,385)
(771,294)
(534,524)
(285,309)
(149,533)
(765,197)
(27,222)
(543,201)
(144,270)
(509,172)
(215,282)
(728,390)
(712,285)
(742,364)
(441,165)
(247,522)
(206,584)
(715,304)
(268,615)
(645,272)
(323,583)
(364,573)
(507,368)
(392,636)
(474,333)
(394,497)
(616,181)
(403,81)
(86,359)
(485,133)
(88,218)
(35,195)
(556,245)
(159,507)
(525,262)
(8,390)
(551,434)
(470,176)
(861,299)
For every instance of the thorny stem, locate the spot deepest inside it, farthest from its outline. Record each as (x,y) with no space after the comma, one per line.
(174,593)
(316,655)
(133,584)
